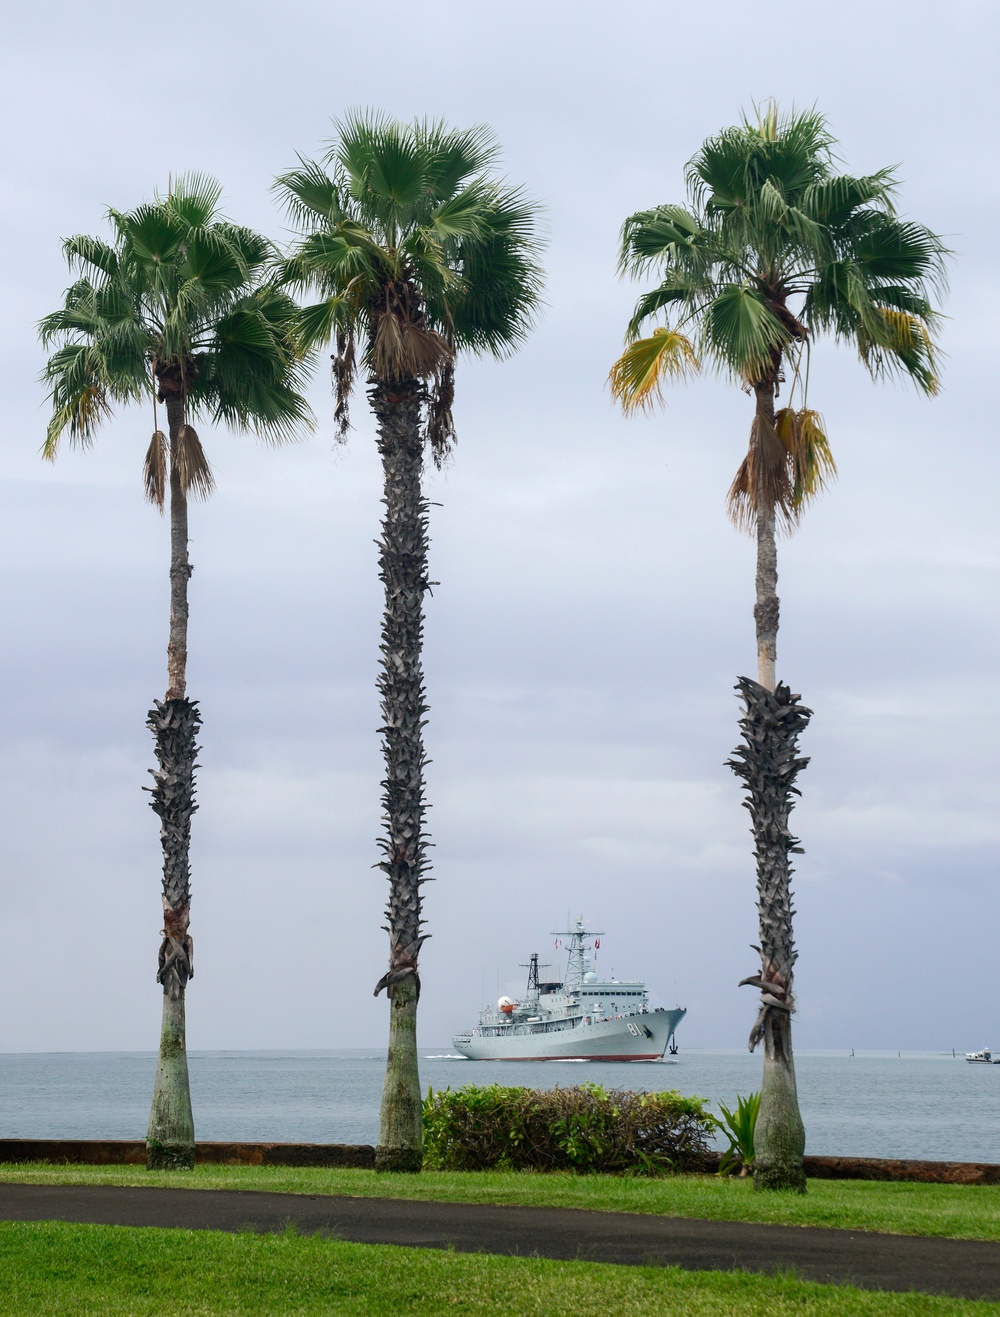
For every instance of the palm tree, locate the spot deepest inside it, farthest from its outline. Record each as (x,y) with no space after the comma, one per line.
(417,252)
(176,309)
(774,249)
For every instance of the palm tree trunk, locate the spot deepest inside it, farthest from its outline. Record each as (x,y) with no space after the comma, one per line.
(779,1138)
(766,605)
(403,571)
(174,722)
(768,763)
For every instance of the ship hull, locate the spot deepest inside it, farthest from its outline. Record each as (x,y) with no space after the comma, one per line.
(629,1038)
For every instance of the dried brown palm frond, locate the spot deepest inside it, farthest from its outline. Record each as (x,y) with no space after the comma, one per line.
(403,350)
(192,464)
(154,469)
(762,479)
(786,466)
(344,367)
(387,349)
(427,350)
(440,423)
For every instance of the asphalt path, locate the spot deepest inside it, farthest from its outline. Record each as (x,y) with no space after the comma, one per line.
(964,1268)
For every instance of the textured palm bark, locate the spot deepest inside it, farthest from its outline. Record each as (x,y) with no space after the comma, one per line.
(768,763)
(403,571)
(174,723)
(170,1136)
(400,1133)
(766,605)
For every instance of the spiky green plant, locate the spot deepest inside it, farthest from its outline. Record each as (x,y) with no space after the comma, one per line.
(739,1127)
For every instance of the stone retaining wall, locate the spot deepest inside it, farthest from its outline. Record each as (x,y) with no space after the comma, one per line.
(877,1168)
(132,1152)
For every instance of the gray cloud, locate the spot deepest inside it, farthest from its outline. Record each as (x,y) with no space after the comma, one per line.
(594,606)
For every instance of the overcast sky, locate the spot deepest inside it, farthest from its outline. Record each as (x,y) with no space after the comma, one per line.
(594,607)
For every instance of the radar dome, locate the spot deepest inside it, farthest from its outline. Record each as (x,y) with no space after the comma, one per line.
(590,977)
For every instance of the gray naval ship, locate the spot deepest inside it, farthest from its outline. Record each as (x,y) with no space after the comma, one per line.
(584,1018)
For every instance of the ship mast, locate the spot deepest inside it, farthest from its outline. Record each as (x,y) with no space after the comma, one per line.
(533,967)
(576,967)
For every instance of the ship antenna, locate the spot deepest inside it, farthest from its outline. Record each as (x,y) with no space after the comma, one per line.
(532,967)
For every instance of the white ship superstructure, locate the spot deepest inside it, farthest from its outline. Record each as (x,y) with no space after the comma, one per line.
(583,1018)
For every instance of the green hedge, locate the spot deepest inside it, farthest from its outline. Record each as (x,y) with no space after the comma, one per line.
(558,1129)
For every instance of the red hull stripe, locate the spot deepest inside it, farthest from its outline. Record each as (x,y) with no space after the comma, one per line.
(644,1056)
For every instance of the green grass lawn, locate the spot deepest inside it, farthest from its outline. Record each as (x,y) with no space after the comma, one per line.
(71,1270)
(956,1211)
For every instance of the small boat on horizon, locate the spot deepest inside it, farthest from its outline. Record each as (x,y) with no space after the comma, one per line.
(984,1055)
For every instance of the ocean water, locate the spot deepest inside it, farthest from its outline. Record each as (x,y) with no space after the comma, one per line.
(874,1104)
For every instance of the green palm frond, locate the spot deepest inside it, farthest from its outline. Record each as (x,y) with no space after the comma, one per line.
(183,291)
(82,251)
(462,215)
(775,247)
(310,194)
(667,233)
(897,250)
(455,155)
(195,198)
(421,235)
(831,201)
(742,332)
(675,289)
(501,278)
(901,344)
(320,322)
(151,236)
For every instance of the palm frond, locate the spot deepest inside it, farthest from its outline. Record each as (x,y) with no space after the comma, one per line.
(343,371)
(743,332)
(320,322)
(194,197)
(402,350)
(832,200)
(897,251)
(454,155)
(676,288)
(154,469)
(668,233)
(464,214)
(440,423)
(82,250)
(386,167)
(310,194)
(192,465)
(762,479)
(493,309)
(637,377)
(787,465)
(184,292)
(811,466)
(151,237)
(903,344)
(80,413)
